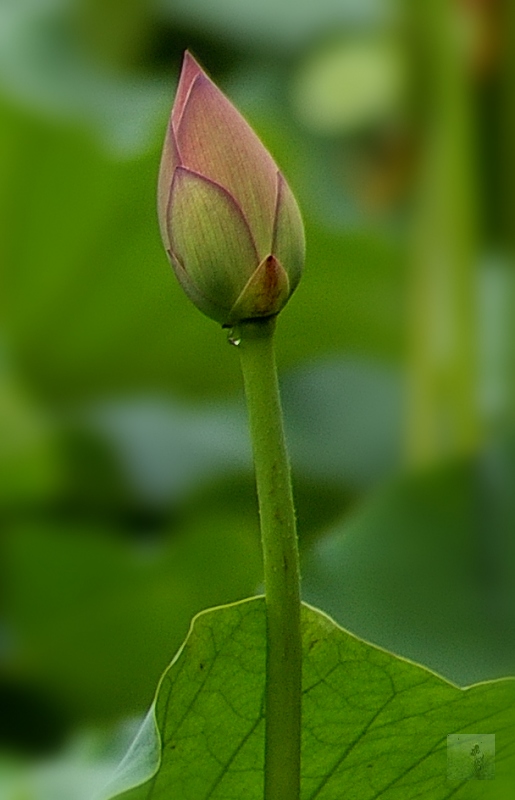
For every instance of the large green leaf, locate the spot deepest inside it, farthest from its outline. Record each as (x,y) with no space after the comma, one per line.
(426,567)
(374,725)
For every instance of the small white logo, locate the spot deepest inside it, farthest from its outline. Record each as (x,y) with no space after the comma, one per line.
(471,756)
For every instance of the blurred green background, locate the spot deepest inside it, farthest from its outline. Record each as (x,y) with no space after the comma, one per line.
(126,492)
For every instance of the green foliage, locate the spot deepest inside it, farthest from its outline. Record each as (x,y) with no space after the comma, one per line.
(84,257)
(273,24)
(125,497)
(374,725)
(98,618)
(344,420)
(29,463)
(429,561)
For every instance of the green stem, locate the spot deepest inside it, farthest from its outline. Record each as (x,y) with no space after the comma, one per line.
(281,561)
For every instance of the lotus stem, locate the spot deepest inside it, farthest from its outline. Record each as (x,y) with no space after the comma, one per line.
(280,557)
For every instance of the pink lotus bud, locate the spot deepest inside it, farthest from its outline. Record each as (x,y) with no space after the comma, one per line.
(229,222)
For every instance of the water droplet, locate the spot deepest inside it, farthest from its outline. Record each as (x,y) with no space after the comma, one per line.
(233,338)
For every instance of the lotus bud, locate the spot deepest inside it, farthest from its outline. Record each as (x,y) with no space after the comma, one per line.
(228,219)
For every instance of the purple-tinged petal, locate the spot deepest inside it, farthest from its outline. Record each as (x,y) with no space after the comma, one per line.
(169,161)
(214,140)
(288,238)
(170,158)
(210,238)
(266,292)
(190,70)
(228,220)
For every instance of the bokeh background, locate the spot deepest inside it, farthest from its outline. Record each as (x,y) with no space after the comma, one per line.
(126,492)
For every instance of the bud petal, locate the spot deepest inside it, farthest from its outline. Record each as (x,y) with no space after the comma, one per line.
(228,219)
(266,292)
(189,72)
(210,239)
(214,140)
(169,161)
(288,243)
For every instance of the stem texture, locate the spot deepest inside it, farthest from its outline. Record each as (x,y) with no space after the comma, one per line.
(281,561)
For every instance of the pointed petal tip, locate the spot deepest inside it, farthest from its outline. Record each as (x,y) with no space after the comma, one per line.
(190,71)
(188,60)
(190,64)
